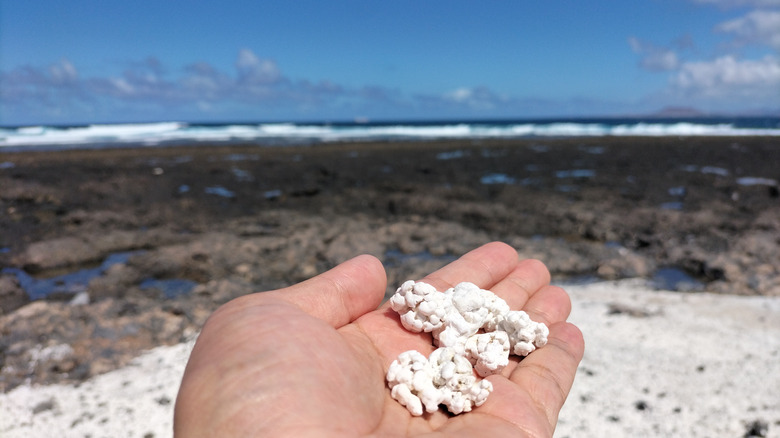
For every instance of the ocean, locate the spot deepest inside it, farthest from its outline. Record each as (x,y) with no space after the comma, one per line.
(172,133)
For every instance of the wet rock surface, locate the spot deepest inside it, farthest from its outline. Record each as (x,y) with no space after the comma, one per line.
(161,237)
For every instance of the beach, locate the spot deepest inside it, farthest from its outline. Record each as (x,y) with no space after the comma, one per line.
(128,250)
(640,377)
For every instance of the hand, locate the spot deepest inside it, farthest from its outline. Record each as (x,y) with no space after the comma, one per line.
(310,360)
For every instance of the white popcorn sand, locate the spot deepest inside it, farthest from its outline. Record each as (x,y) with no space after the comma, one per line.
(454,318)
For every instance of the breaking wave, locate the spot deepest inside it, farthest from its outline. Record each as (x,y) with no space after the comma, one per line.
(152,134)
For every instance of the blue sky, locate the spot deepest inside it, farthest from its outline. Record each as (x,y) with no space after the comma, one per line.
(131,61)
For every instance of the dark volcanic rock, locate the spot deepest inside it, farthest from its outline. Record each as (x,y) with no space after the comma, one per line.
(64,251)
(48,341)
(12,296)
(115,282)
(224,290)
(634,206)
(88,248)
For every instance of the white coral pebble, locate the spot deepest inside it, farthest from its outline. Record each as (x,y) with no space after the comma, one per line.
(411,382)
(444,378)
(524,335)
(473,328)
(420,305)
(464,316)
(453,375)
(489,352)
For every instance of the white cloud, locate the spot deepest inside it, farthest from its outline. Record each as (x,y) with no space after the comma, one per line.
(654,58)
(459,95)
(122,86)
(728,77)
(479,98)
(203,81)
(144,86)
(63,72)
(757,27)
(726,81)
(736,3)
(252,69)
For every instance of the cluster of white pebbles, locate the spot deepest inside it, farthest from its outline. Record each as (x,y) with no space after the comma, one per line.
(473,329)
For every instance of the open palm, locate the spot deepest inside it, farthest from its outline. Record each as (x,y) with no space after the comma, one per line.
(310,360)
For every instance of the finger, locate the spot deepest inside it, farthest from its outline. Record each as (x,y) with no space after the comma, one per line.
(550,304)
(525,280)
(341,295)
(484,266)
(546,375)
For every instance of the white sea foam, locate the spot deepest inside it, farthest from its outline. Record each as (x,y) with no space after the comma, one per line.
(144,133)
(166,132)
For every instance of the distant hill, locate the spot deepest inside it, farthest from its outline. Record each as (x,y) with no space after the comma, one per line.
(685,112)
(679,111)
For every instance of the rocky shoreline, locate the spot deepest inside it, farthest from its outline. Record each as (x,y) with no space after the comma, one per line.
(127,249)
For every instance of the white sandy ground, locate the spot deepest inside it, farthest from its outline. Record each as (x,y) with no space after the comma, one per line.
(698,365)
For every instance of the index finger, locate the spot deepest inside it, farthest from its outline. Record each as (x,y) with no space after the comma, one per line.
(337,296)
